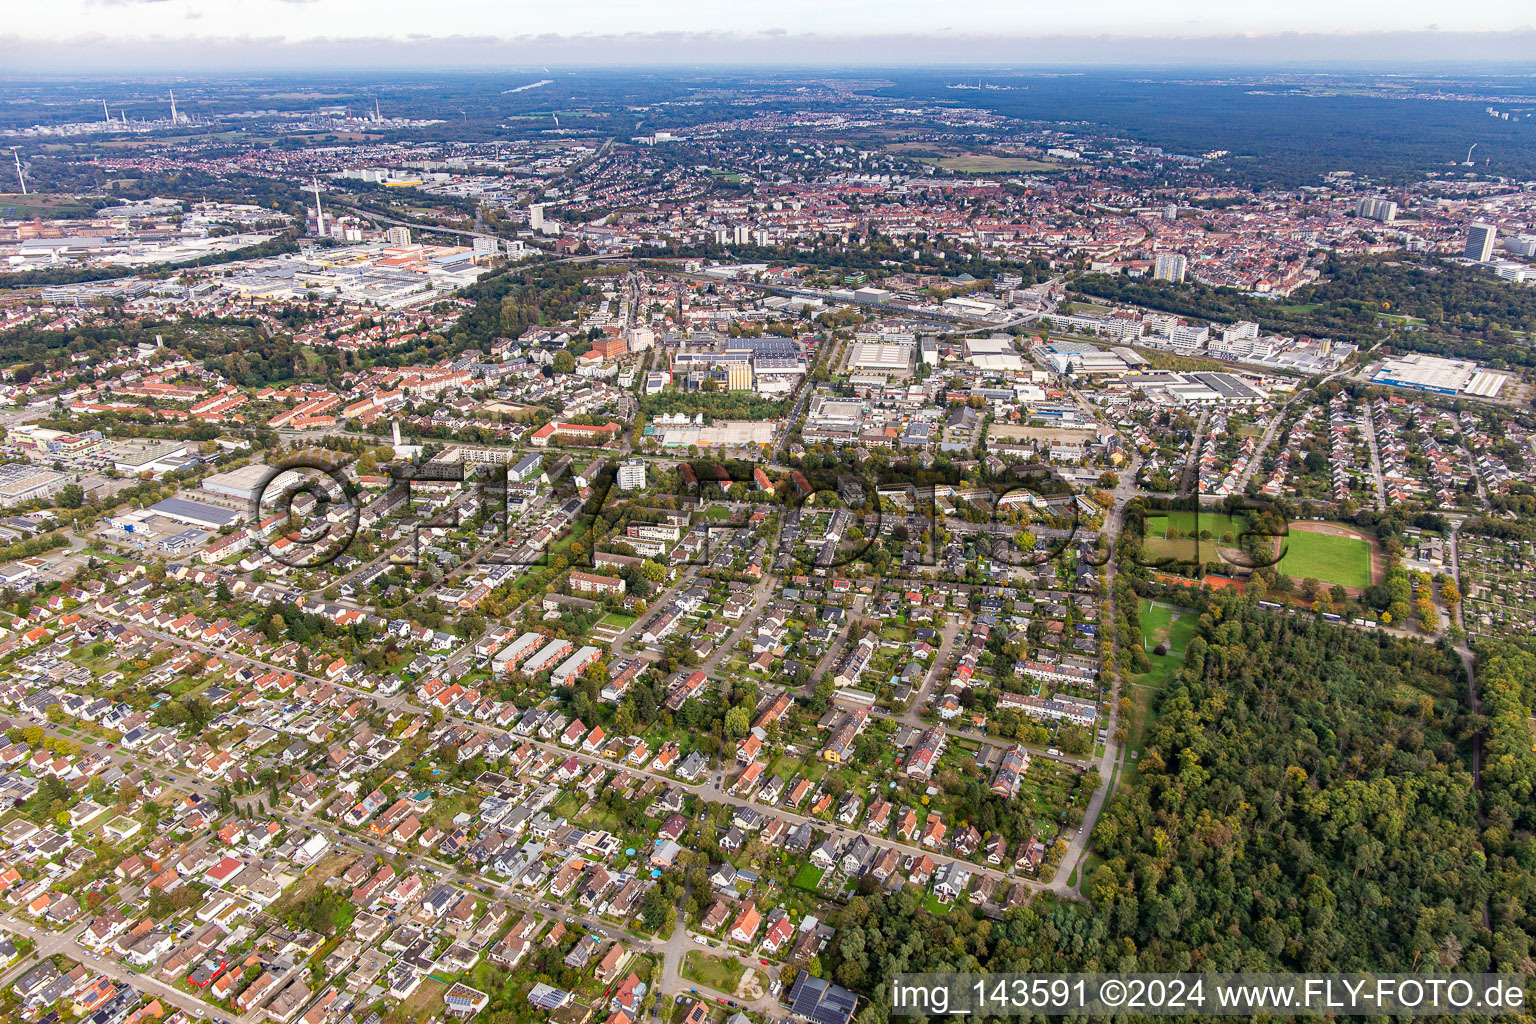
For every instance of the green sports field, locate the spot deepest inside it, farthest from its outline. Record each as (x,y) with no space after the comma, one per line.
(1164,624)
(1327,559)
(1186,545)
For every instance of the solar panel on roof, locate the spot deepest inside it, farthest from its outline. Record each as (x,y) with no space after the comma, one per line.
(806,996)
(820,1002)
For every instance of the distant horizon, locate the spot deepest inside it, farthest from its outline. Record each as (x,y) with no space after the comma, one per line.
(1427,51)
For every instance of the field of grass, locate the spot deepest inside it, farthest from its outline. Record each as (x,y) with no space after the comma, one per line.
(305,888)
(719,974)
(1139,726)
(975,163)
(35,205)
(1163,624)
(1327,559)
(1186,545)
(618,620)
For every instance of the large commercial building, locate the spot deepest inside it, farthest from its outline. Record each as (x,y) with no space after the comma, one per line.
(21,482)
(880,357)
(1199,388)
(1071,357)
(136,457)
(1439,376)
(243,484)
(1480,239)
(194,513)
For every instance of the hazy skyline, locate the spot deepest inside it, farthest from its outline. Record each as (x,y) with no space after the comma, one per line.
(87,35)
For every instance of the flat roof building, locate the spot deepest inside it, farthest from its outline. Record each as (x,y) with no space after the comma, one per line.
(243,484)
(1434,374)
(194,513)
(21,482)
(881,357)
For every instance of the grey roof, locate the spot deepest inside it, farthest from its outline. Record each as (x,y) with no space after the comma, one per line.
(181,507)
(821,1002)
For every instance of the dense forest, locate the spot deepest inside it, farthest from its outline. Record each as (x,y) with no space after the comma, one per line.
(1507,683)
(510,302)
(1305,801)
(1281,136)
(876,254)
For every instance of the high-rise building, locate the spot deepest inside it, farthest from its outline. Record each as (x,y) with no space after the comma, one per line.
(398,235)
(632,475)
(1480,239)
(1169,266)
(484,246)
(536,216)
(1171,212)
(1384,210)
(1243,330)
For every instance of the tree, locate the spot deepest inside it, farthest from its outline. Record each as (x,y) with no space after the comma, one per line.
(70,496)
(564,362)
(737,722)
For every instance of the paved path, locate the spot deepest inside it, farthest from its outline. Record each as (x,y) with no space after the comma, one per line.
(1261,448)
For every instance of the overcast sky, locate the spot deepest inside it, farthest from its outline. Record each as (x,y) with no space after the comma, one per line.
(86,35)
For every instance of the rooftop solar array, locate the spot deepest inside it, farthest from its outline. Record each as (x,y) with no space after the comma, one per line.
(821,1002)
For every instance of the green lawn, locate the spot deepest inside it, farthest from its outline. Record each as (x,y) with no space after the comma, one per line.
(1327,559)
(719,974)
(1186,544)
(618,620)
(1164,624)
(980,163)
(808,877)
(936,906)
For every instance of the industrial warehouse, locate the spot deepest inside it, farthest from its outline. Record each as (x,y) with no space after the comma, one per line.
(1439,376)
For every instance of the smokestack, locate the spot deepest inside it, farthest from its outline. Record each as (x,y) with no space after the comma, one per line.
(173,106)
(319,213)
